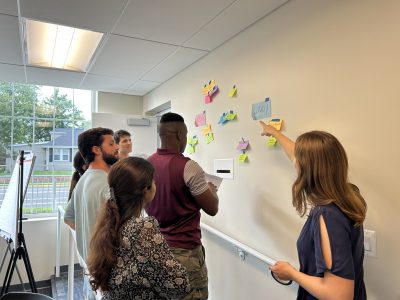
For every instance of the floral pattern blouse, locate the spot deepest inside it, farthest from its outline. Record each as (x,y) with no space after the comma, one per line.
(146,268)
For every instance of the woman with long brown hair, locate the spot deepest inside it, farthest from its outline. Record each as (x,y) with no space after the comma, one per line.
(129,259)
(331,243)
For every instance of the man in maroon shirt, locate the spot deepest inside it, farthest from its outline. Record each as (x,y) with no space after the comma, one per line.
(182,191)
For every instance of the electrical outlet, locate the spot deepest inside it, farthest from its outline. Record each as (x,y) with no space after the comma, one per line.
(369,243)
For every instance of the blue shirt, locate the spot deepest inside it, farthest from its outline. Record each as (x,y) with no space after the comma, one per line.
(347,249)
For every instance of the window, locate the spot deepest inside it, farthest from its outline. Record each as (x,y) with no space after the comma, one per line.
(46,121)
(61,154)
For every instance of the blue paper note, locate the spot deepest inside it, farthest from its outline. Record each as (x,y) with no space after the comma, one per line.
(261,110)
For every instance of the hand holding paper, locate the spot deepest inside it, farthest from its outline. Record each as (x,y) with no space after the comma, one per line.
(214,180)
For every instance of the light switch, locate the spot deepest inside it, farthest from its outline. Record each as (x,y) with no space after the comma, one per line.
(369,243)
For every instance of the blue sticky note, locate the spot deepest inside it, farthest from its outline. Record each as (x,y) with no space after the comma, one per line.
(261,110)
(222,119)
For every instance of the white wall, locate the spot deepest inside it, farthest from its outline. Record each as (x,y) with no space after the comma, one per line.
(40,236)
(330,65)
(119,103)
(144,138)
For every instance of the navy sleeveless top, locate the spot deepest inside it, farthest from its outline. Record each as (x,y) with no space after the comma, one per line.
(347,248)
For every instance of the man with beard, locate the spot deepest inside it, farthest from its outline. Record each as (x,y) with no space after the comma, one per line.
(99,150)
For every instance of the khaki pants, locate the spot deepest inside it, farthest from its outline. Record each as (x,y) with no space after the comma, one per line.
(194,262)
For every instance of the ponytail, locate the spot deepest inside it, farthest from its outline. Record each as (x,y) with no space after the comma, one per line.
(104,243)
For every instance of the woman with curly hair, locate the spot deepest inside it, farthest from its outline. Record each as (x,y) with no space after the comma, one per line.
(129,258)
(331,244)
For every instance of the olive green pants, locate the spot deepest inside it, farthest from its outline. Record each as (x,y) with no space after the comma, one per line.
(194,262)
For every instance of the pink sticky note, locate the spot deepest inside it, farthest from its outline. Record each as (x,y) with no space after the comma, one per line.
(207,99)
(200,119)
(242,145)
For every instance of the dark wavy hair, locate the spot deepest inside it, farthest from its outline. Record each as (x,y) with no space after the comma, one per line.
(322,176)
(90,138)
(128,179)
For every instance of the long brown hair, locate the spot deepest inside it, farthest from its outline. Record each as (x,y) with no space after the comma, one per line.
(128,179)
(322,176)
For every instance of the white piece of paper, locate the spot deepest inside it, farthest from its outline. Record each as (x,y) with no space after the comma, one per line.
(215,180)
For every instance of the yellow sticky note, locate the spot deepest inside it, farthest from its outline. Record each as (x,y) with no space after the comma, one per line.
(190,149)
(209,138)
(233,92)
(208,87)
(242,157)
(207,129)
(271,141)
(277,123)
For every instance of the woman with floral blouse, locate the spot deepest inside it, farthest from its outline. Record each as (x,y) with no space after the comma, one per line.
(129,258)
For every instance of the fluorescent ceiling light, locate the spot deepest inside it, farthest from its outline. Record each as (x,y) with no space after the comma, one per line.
(62,47)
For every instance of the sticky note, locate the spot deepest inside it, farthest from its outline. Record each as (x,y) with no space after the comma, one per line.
(276,123)
(230,116)
(242,157)
(190,149)
(209,88)
(209,138)
(207,99)
(213,90)
(193,140)
(271,141)
(222,119)
(242,145)
(207,129)
(200,119)
(233,92)
(261,110)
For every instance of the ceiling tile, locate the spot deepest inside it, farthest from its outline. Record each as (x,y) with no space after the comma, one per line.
(172,21)
(52,77)
(88,14)
(125,57)
(9,7)
(12,73)
(174,64)
(142,87)
(233,20)
(105,83)
(10,46)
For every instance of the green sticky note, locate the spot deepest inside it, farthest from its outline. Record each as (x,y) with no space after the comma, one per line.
(242,157)
(193,140)
(271,141)
(230,116)
(190,149)
(209,138)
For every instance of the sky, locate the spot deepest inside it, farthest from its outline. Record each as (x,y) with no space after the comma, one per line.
(81,98)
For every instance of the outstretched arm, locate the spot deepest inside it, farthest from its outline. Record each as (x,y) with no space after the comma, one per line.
(286,143)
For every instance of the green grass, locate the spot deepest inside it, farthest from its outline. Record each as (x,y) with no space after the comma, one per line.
(37,210)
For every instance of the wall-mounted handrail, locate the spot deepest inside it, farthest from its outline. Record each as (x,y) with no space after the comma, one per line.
(71,251)
(241,248)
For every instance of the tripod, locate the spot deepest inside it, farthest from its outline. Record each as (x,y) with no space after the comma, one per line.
(21,251)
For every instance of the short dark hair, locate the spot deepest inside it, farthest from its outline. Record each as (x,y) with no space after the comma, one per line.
(171,117)
(90,138)
(119,134)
